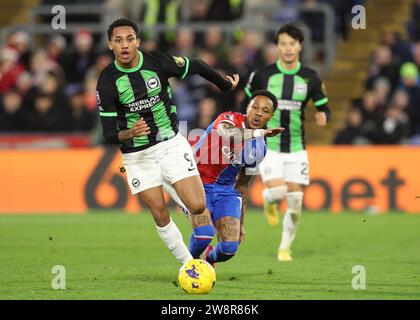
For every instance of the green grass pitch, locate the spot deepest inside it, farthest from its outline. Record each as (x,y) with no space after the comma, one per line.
(118,256)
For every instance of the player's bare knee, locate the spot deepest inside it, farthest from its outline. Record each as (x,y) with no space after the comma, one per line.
(197,207)
(160,214)
(161,220)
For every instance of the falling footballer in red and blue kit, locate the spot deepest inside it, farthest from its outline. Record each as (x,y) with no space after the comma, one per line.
(219,163)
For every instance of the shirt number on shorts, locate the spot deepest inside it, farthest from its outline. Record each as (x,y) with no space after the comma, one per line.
(187,157)
(304,171)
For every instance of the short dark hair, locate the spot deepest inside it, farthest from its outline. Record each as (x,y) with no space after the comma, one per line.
(122,23)
(266,94)
(293,30)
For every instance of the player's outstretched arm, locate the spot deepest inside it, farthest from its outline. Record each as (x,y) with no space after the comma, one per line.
(203,69)
(228,131)
(273,131)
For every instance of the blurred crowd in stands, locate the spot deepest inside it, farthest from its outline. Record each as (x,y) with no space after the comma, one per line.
(389,110)
(52,88)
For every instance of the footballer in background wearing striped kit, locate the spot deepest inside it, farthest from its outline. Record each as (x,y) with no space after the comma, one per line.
(285,169)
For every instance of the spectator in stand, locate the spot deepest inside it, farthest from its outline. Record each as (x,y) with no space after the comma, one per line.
(165,12)
(410,83)
(237,64)
(24,83)
(372,116)
(342,10)
(400,49)
(416,54)
(214,42)
(225,10)
(252,44)
(13,118)
(42,66)
(351,133)
(10,69)
(80,58)
(270,54)
(55,47)
(224,100)
(401,100)
(395,127)
(414,24)
(313,19)
(199,14)
(207,111)
(26,89)
(382,90)
(45,117)
(81,119)
(21,42)
(54,89)
(186,100)
(383,65)
(184,43)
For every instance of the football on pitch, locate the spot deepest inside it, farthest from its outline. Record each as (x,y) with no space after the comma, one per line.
(197,277)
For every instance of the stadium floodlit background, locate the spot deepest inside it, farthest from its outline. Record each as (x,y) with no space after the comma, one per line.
(64,200)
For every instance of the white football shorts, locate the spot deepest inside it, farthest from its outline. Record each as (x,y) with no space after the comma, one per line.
(170,160)
(291,167)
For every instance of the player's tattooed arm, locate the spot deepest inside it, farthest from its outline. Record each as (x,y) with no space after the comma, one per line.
(140,128)
(228,131)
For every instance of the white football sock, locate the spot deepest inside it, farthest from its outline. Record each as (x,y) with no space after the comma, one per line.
(272,195)
(172,237)
(291,219)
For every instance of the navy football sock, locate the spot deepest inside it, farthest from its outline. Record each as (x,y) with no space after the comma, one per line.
(200,239)
(223,252)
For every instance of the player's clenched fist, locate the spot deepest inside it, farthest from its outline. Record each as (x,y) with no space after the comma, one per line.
(140,128)
(321,118)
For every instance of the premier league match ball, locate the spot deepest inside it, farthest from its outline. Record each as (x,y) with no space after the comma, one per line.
(197,277)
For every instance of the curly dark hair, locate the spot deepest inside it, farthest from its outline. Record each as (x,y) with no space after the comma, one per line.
(122,23)
(267,94)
